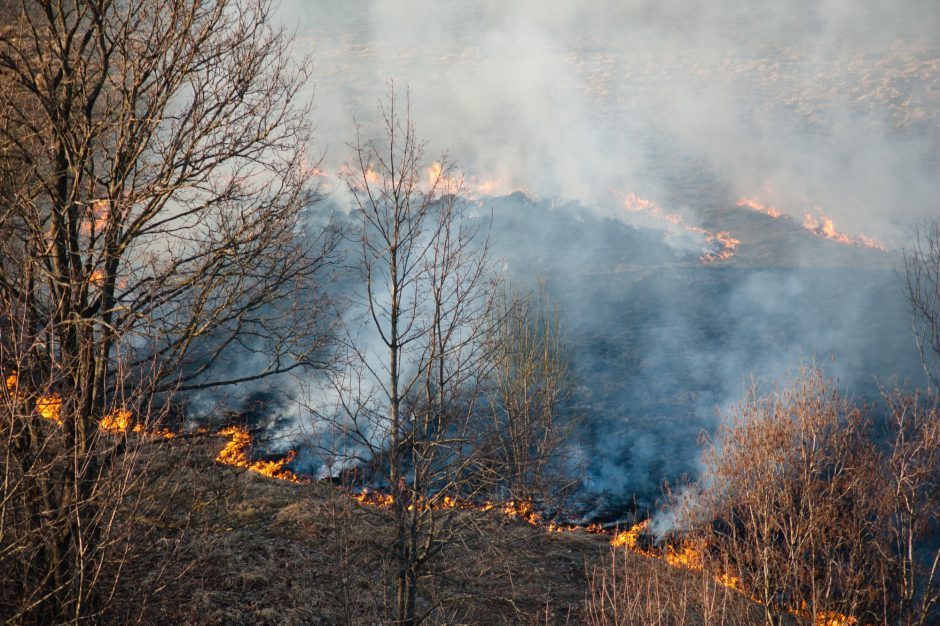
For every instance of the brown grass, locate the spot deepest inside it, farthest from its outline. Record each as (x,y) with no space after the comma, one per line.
(245,549)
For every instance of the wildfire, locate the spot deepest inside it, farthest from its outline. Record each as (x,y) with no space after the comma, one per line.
(374,498)
(628,538)
(754,205)
(441,181)
(96,219)
(50,407)
(120,419)
(722,243)
(690,555)
(473,187)
(687,556)
(117,420)
(726,247)
(236,453)
(818,224)
(824,227)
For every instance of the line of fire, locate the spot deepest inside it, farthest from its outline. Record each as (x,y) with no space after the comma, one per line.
(611,313)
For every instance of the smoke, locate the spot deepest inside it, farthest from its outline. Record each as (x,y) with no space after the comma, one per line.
(813,107)
(829,104)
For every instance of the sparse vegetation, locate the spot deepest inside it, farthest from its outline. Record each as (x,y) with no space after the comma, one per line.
(922,280)
(819,508)
(155,190)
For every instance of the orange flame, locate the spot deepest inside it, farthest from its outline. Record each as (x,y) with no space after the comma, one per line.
(50,407)
(825,227)
(754,205)
(97,277)
(441,181)
(117,420)
(628,538)
(690,556)
(97,218)
(819,224)
(236,453)
(723,244)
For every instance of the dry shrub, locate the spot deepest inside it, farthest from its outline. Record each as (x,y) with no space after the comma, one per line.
(649,592)
(820,511)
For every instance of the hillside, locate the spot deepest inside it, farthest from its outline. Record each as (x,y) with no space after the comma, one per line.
(239,548)
(658,340)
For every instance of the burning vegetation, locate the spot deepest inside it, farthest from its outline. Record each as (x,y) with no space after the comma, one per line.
(724,559)
(237,452)
(688,554)
(815,222)
(722,245)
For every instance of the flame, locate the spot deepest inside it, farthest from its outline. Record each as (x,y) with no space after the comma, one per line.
(374,498)
(236,453)
(371,176)
(687,556)
(722,243)
(628,538)
(819,224)
(440,180)
(50,407)
(824,618)
(356,176)
(754,205)
(832,618)
(727,246)
(118,420)
(690,555)
(825,227)
(97,217)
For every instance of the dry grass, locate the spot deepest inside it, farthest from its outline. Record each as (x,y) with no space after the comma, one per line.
(244,549)
(625,592)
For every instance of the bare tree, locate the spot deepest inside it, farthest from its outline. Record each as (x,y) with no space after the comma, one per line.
(413,381)
(911,480)
(807,507)
(922,280)
(153,169)
(529,382)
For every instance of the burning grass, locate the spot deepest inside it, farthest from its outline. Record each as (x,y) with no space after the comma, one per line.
(721,246)
(688,555)
(237,547)
(815,222)
(238,450)
(261,551)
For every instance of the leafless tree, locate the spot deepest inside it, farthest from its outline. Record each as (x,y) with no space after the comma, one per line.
(413,382)
(528,385)
(153,173)
(911,482)
(806,506)
(922,280)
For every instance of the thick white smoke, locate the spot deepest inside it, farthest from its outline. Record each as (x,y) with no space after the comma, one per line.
(811,106)
(819,104)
